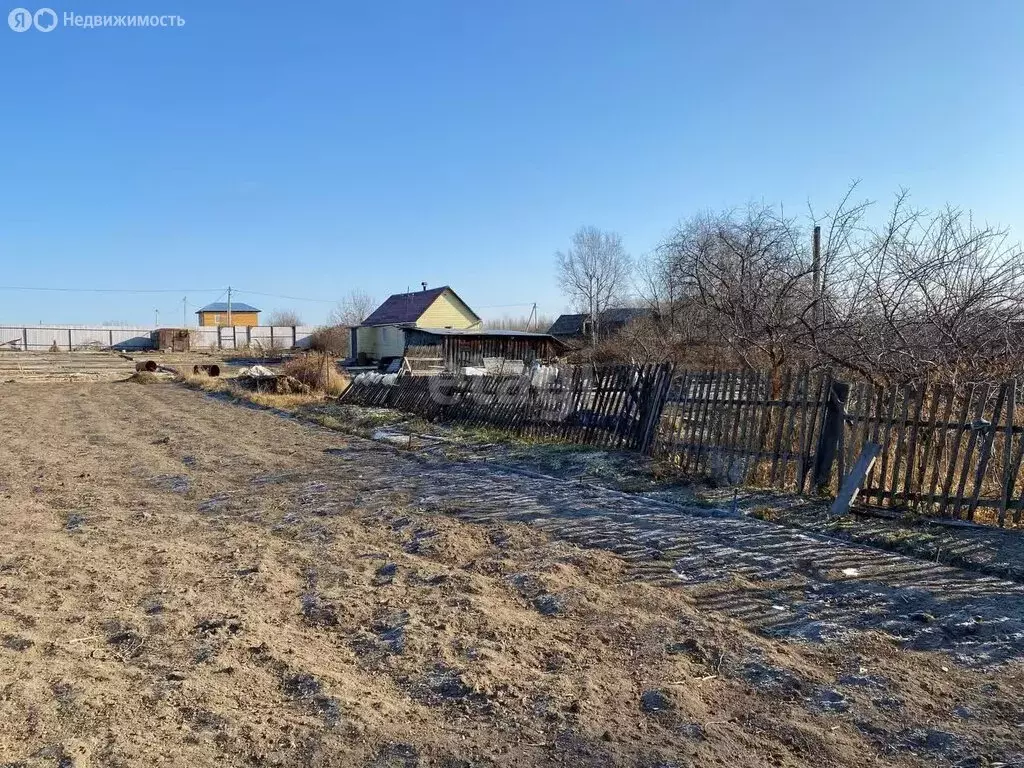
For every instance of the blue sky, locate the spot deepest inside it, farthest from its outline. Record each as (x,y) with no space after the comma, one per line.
(309,149)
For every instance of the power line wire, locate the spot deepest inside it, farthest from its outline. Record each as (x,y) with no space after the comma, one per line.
(279,296)
(108,290)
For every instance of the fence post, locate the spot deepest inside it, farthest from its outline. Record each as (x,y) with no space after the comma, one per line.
(831,434)
(24,338)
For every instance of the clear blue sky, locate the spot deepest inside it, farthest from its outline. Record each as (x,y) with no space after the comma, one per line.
(308,149)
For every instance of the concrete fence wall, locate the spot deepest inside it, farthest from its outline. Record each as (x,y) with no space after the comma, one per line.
(72,338)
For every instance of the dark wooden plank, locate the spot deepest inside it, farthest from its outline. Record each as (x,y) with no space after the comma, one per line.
(912,458)
(751,419)
(887,446)
(789,414)
(1011,465)
(986,449)
(934,439)
(686,409)
(657,402)
(679,411)
(696,423)
(607,424)
(780,425)
(872,412)
(735,416)
(764,426)
(721,421)
(972,441)
(954,454)
(815,410)
(893,482)
(851,426)
(745,409)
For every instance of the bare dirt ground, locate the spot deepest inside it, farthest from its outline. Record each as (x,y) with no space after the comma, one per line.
(185,581)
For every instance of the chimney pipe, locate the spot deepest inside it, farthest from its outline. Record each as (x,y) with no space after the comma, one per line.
(424,286)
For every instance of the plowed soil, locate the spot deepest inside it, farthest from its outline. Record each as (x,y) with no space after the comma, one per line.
(187,581)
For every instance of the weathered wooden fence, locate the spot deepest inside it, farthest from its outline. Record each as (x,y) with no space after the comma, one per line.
(744,427)
(945,452)
(615,406)
(942,452)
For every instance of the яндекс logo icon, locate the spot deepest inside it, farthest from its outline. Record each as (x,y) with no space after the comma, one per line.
(45,19)
(22,19)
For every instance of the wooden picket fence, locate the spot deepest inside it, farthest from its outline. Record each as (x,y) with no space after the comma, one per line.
(743,427)
(615,406)
(954,453)
(946,452)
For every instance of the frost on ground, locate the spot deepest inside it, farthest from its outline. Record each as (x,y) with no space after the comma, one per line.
(187,582)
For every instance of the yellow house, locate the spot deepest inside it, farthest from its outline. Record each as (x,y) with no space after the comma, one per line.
(382,334)
(217,314)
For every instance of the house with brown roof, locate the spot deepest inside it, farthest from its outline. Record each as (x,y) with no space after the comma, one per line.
(382,334)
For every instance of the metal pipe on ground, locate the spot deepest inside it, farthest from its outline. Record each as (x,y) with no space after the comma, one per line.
(149,365)
(210,370)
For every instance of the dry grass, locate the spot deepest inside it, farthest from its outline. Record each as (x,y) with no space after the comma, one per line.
(266,399)
(204,382)
(284,402)
(318,372)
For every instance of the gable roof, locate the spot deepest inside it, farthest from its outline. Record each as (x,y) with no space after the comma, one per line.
(568,325)
(409,307)
(572,325)
(222,306)
(623,314)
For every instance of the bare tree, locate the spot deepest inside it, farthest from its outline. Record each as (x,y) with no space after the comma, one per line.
(284,317)
(355,307)
(919,295)
(594,273)
(744,277)
(926,295)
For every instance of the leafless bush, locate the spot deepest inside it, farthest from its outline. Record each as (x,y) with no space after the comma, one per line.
(926,295)
(920,295)
(355,307)
(319,372)
(332,339)
(282,317)
(739,279)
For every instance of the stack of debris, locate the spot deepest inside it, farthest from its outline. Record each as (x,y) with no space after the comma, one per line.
(260,379)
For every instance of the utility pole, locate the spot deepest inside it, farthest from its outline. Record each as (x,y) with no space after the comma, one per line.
(816,271)
(229,306)
(533,314)
(156,317)
(184,312)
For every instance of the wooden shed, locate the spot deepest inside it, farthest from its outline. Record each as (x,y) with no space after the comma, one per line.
(458,348)
(172,339)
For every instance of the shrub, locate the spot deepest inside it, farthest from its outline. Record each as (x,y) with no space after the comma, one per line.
(332,339)
(319,372)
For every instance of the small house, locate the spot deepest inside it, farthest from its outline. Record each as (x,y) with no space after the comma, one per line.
(580,327)
(381,335)
(221,313)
